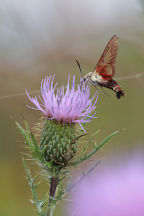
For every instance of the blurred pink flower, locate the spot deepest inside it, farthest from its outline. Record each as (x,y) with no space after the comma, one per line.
(115,192)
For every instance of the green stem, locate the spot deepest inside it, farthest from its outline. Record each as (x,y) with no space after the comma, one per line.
(50,211)
(53,187)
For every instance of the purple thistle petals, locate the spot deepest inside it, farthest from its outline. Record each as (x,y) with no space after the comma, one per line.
(35,102)
(70,106)
(47,92)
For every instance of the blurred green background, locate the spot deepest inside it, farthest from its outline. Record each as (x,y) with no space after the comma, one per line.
(39,38)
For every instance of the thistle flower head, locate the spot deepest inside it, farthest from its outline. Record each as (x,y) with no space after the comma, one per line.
(63,108)
(72,105)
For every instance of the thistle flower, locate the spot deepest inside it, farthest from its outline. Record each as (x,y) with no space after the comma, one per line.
(117,192)
(70,106)
(63,109)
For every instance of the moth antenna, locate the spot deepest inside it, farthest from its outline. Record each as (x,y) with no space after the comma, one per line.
(79,67)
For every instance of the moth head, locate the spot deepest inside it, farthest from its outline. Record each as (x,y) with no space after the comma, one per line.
(87,77)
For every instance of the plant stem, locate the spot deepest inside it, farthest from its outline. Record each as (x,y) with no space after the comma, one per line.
(53,187)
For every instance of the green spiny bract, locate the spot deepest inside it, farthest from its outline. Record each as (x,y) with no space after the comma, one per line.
(58,142)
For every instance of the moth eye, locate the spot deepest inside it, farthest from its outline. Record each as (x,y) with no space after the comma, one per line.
(84,79)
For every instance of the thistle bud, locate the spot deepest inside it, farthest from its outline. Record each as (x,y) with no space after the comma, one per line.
(57,142)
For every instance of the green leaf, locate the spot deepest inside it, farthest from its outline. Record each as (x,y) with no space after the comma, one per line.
(23,133)
(30,180)
(29,138)
(38,203)
(86,145)
(101,144)
(35,145)
(96,148)
(108,138)
(28,133)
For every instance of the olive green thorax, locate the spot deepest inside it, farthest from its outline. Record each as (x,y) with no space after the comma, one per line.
(58,142)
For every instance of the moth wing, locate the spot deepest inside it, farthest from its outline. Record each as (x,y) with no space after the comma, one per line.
(106,64)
